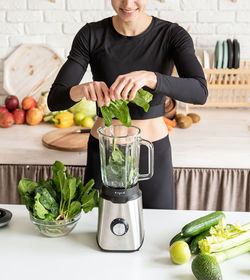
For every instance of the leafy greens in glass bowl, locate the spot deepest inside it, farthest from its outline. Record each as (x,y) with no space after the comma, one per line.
(56,228)
(55,204)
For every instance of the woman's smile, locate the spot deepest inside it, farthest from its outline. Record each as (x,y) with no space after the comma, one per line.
(129,12)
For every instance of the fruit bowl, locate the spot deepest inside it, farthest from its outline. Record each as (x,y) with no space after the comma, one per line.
(55,228)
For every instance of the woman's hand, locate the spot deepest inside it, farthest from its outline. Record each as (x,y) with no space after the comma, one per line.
(131,82)
(94,91)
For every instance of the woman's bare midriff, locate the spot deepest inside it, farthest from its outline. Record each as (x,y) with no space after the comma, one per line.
(151,129)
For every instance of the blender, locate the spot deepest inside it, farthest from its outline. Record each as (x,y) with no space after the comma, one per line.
(120,219)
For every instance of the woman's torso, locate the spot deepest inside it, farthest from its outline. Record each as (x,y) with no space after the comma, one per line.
(113,54)
(151,129)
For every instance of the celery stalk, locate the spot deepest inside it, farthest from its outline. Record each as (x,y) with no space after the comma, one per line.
(222,239)
(228,243)
(233,252)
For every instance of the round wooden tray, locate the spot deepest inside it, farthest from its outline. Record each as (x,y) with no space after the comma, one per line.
(31,69)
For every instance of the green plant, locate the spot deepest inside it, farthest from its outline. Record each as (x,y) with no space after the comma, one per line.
(61,197)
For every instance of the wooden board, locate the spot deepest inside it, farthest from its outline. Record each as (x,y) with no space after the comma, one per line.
(66,139)
(31,69)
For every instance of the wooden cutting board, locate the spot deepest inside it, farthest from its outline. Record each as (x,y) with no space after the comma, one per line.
(66,139)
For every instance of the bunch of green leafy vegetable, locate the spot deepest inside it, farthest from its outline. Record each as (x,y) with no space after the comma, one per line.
(61,197)
(119,108)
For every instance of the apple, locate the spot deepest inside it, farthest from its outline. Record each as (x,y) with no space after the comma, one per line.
(78,117)
(28,103)
(3,109)
(6,119)
(11,102)
(34,116)
(19,116)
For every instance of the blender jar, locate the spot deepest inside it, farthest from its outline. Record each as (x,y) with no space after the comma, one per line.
(120,154)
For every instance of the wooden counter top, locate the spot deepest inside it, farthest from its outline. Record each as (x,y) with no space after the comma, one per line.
(220,140)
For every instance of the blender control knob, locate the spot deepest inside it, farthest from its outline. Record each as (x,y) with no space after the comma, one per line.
(119,226)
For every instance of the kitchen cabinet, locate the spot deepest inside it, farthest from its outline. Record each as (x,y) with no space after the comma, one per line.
(26,254)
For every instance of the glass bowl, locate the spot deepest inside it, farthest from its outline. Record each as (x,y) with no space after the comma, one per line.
(55,228)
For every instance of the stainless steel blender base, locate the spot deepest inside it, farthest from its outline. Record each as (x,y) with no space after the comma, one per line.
(120,225)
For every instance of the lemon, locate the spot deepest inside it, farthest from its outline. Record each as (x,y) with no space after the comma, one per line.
(87,122)
(180,252)
(78,117)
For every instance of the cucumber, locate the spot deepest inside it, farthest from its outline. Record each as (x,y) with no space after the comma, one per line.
(202,224)
(194,247)
(179,237)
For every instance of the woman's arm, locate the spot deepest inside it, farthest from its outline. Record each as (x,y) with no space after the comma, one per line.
(66,91)
(190,86)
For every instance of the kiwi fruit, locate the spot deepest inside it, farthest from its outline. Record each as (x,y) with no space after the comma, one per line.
(184,122)
(178,116)
(195,118)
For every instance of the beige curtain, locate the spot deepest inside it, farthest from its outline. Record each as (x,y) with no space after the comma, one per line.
(212,189)
(196,188)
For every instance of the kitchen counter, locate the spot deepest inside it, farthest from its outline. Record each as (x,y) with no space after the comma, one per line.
(220,140)
(26,254)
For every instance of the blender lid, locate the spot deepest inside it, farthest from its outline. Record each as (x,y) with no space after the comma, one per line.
(5,217)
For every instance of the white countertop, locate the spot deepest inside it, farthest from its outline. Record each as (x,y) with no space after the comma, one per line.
(26,254)
(220,140)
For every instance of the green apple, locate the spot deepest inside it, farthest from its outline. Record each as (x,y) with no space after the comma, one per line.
(78,117)
(87,122)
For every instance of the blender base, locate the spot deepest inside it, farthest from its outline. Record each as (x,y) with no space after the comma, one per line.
(118,251)
(120,220)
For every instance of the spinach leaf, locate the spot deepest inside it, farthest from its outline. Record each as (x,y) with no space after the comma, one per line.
(29,201)
(107,115)
(142,99)
(119,108)
(49,202)
(90,201)
(89,197)
(58,167)
(50,186)
(26,186)
(75,208)
(39,210)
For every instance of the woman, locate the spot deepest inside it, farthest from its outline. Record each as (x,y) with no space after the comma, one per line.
(126,52)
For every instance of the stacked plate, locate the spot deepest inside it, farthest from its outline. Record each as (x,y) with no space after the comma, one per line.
(227,54)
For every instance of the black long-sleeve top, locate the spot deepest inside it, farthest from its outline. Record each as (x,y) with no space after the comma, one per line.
(161,46)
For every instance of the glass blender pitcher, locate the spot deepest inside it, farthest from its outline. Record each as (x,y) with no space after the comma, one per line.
(120,215)
(120,154)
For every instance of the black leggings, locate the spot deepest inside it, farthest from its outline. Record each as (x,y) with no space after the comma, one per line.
(157,192)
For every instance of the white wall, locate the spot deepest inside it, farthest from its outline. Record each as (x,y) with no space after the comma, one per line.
(41,21)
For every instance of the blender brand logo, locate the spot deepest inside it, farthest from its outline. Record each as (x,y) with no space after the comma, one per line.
(120,193)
